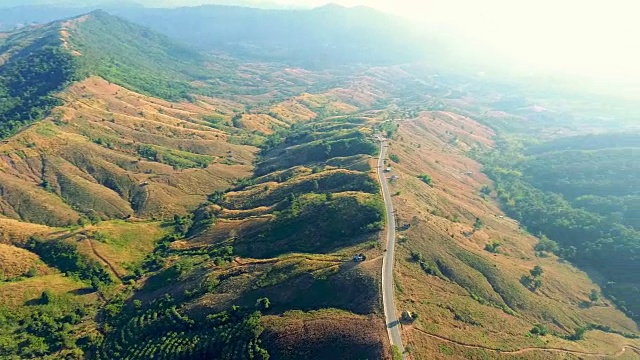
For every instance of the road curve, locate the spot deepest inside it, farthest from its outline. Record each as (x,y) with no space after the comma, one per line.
(393,325)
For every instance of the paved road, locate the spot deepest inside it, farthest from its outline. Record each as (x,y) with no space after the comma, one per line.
(393,325)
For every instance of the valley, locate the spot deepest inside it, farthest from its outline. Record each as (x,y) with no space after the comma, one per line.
(238,202)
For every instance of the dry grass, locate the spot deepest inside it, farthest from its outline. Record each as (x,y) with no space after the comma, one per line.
(88,149)
(437,144)
(16,262)
(325,334)
(17,232)
(17,293)
(261,123)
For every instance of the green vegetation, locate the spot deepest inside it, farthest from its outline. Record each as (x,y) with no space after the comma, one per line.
(578,334)
(174,300)
(161,330)
(147,63)
(426,179)
(46,326)
(492,247)
(546,245)
(65,257)
(478,224)
(429,269)
(395,158)
(395,353)
(562,194)
(330,181)
(534,280)
(28,81)
(540,329)
(326,223)
(344,144)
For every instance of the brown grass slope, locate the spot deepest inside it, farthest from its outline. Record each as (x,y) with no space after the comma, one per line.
(476,307)
(85,160)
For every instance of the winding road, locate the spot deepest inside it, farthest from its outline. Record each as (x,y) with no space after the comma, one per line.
(393,325)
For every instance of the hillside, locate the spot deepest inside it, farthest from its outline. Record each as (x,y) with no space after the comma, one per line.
(129,203)
(462,262)
(582,193)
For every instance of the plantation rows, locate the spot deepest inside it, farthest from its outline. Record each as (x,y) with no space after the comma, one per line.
(170,335)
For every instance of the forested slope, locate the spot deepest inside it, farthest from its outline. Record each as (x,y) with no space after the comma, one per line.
(583,193)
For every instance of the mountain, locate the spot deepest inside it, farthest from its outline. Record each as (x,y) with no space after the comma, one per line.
(324,37)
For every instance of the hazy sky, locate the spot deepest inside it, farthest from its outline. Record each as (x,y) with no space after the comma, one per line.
(595,37)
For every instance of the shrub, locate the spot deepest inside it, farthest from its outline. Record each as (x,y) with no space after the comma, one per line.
(546,244)
(539,329)
(492,247)
(426,179)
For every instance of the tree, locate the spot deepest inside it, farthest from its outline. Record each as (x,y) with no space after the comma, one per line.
(546,244)
(395,353)
(536,271)
(485,190)
(33,272)
(578,335)
(416,256)
(477,224)
(539,329)
(426,179)
(46,297)
(593,296)
(492,247)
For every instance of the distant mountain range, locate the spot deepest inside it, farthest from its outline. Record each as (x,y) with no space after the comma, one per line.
(328,36)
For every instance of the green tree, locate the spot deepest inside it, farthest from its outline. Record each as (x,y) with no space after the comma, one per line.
(492,247)
(539,329)
(546,244)
(478,224)
(578,334)
(46,297)
(426,179)
(536,271)
(395,353)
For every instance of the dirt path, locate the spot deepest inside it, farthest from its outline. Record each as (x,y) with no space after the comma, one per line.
(529,349)
(111,267)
